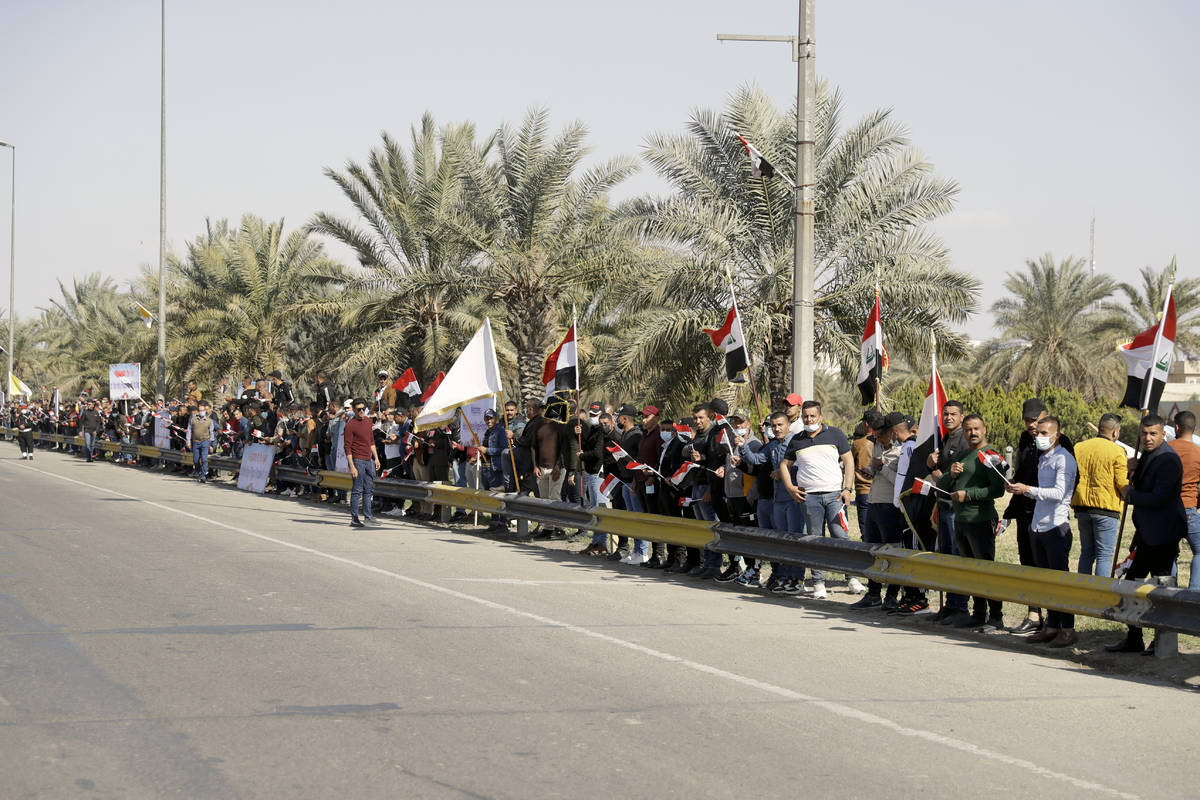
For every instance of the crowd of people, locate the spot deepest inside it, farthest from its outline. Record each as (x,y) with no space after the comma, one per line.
(792,473)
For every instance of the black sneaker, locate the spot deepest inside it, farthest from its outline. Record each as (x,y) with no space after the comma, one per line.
(890,604)
(356,523)
(791,587)
(730,574)
(914,607)
(867,601)
(995,622)
(618,554)
(969,621)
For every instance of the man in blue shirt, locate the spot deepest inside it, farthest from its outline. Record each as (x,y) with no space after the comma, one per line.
(1050,530)
(784,577)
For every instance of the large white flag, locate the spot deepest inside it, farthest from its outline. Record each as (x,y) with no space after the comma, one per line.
(17,387)
(475,375)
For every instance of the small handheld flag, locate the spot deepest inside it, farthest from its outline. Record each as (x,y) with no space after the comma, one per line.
(684,431)
(682,472)
(991,458)
(842,521)
(617,451)
(1124,566)
(608,485)
(560,370)
(636,465)
(926,487)
(684,502)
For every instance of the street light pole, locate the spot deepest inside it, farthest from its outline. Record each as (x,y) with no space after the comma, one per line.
(162,219)
(12,270)
(803,279)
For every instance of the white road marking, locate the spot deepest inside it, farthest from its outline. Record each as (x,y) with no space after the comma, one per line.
(523,582)
(839,709)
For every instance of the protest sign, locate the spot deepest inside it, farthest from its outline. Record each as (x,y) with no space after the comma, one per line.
(257,460)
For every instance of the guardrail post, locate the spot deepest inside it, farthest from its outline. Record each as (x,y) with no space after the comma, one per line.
(522,527)
(1166,643)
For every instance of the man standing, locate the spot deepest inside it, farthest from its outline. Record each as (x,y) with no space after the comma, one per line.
(885,524)
(1103,474)
(363,460)
(824,481)
(793,406)
(952,446)
(1189,455)
(974,487)
(1025,470)
(203,432)
(281,391)
(91,423)
(385,395)
(324,391)
(1158,515)
(1050,530)
(784,515)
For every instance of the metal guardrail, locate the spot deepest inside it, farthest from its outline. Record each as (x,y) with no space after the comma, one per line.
(1145,604)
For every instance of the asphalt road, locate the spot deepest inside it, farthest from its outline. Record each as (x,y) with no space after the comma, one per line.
(159,638)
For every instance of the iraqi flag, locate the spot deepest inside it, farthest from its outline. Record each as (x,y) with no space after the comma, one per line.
(925,487)
(407,383)
(433,387)
(617,451)
(730,339)
(873,357)
(762,167)
(682,472)
(931,432)
(562,366)
(1148,360)
(607,485)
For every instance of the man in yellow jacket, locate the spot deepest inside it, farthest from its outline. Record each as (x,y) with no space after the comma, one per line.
(1103,473)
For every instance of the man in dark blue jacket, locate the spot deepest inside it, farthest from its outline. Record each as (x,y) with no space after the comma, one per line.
(1158,515)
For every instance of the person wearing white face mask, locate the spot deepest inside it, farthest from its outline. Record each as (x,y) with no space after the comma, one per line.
(1050,530)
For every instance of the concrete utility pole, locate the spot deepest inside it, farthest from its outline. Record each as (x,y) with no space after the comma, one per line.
(803,279)
(162,218)
(12,270)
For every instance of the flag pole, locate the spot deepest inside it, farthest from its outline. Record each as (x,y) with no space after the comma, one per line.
(578,408)
(1145,409)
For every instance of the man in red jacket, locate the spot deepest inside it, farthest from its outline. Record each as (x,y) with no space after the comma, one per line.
(363,460)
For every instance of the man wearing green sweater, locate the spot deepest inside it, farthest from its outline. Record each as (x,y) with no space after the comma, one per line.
(974,487)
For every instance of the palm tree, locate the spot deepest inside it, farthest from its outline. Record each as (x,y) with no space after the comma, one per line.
(1053,330)
(408,304)
(545,230)
(238,297)
(875,196)
(1146,305)
(90,325)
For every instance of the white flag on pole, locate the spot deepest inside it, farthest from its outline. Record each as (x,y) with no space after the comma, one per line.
(475,375)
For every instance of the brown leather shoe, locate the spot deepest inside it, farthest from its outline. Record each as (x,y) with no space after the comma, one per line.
(1044,635)
(1065,638)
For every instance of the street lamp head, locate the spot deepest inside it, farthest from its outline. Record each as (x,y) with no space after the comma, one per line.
(6,144)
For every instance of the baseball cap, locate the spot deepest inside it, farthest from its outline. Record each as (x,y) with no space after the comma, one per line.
(650,410)
(739,413)
(348,404)
(595,409)
(627,410)
(794,399)
(1032,408)
(383,373)
(491,412)
(893,418)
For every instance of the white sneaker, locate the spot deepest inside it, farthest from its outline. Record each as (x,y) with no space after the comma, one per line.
(819,592)
(856,587)
(639,558)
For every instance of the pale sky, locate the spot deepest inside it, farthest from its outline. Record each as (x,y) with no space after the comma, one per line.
(1042,111)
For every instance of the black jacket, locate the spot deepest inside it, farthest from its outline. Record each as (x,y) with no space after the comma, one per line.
(592,453)
(90,421)
(1158,512)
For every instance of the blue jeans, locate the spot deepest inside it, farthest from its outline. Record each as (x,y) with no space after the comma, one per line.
(821,514)
(200,457)
(634,503)
(1098,542)
(948,546)
(862,507)
(1193,537)
(89,444)
(788,518)
(592,498)
(364,487)
(765,514)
